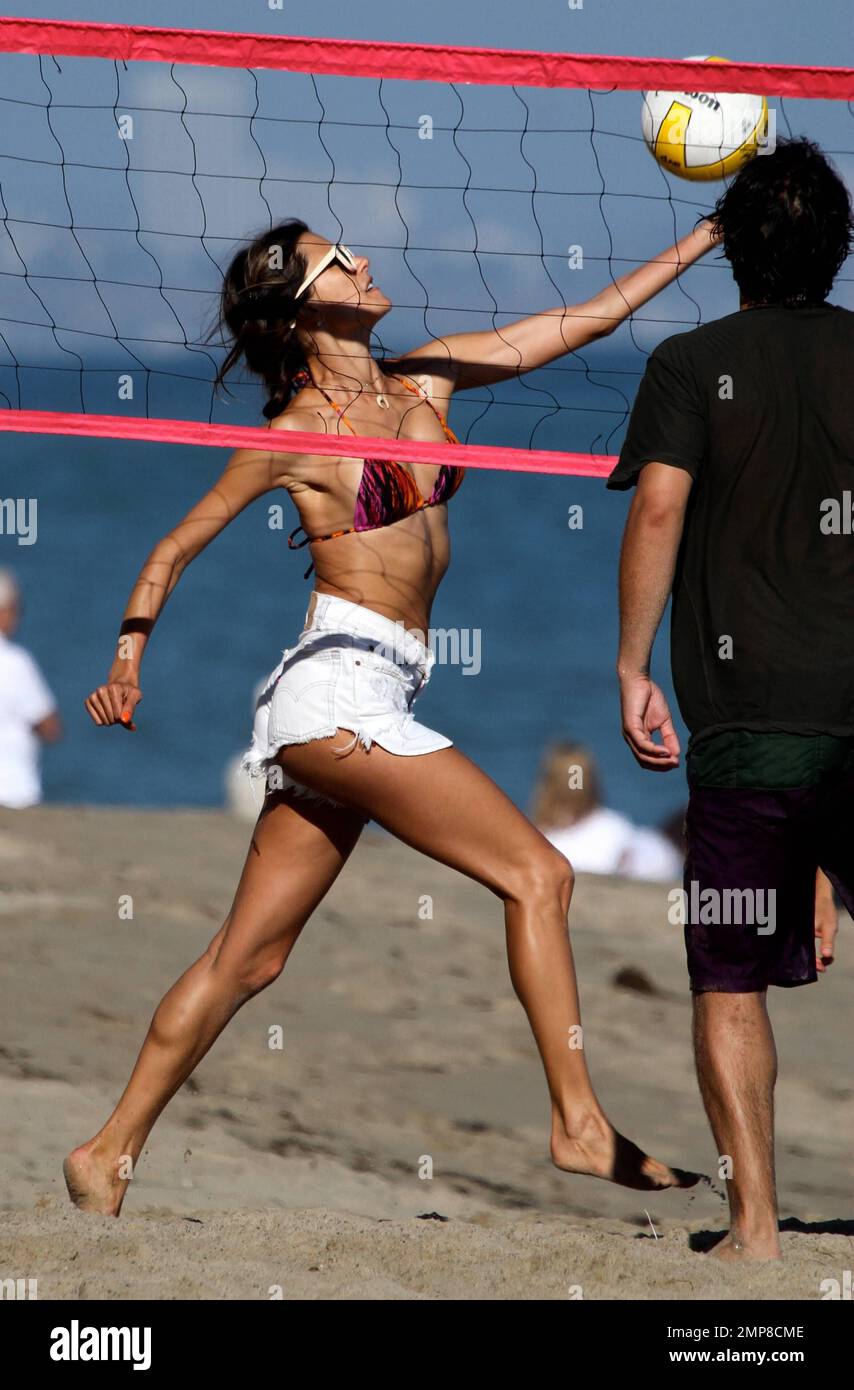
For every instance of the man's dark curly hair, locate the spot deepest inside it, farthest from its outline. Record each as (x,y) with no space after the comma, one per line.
(787,225)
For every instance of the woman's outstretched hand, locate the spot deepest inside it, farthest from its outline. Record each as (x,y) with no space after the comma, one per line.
(114,703)
(708,230)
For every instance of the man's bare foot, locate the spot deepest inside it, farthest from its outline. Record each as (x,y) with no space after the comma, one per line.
(94,1185)
(734,1247)
(598,1150)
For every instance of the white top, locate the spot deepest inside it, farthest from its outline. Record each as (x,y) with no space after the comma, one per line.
(604,842)
(25,700)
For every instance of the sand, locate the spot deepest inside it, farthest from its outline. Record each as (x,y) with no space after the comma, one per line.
(300,1168)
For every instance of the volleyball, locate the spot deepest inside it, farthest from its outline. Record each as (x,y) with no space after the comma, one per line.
(703,135)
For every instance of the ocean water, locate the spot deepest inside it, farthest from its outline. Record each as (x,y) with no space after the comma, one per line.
(541,595)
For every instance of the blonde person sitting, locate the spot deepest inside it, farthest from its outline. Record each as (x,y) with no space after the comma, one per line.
(595,839)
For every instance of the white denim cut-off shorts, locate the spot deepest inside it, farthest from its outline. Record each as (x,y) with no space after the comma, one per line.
(351,669)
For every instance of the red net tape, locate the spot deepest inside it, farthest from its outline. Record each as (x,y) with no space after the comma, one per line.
(416,61)
(164,431)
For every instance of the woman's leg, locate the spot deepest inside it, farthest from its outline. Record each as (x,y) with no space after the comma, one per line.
(298,849)
(442,804)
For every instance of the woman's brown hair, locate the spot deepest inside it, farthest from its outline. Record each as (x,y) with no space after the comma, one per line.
(258,310)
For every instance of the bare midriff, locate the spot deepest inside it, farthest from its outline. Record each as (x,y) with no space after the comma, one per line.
(395,570)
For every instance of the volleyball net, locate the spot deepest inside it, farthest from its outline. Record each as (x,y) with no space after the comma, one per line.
(485,185)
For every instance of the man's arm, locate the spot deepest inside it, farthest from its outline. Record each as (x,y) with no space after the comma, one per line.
(647,564)
(37,702)
(826,922)
(49,729)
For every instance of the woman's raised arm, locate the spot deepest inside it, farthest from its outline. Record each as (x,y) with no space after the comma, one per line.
(485,357)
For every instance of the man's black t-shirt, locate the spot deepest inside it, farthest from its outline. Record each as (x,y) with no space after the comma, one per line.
(759,408)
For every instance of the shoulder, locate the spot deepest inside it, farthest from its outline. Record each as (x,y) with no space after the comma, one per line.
(606,821)
(429,369)
(839,318)
(15,657)
(683,361)
(694,342)
(19,663)
(305,414)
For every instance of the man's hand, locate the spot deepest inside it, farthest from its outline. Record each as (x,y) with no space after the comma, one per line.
(826,922)
(644,713)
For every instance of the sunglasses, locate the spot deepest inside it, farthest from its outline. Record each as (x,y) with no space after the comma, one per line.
(339,253)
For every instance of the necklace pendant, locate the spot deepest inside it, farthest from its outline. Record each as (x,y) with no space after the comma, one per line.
(381,400)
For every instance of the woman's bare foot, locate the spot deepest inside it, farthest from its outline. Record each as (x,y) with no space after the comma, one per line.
(595,1148)
(736,1247)
(94,1183)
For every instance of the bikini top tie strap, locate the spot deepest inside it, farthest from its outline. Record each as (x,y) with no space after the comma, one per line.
(298,545)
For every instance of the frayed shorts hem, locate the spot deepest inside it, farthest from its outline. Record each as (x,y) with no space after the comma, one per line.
(270,771)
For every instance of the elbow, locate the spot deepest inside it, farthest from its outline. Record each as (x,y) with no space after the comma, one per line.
(600,324)
(50,730)
(167,562)
(606,326)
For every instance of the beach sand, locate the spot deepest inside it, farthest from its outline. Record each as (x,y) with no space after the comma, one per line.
(301,1168)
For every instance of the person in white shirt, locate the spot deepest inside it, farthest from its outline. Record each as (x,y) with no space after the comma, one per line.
(568,809)
(28,711)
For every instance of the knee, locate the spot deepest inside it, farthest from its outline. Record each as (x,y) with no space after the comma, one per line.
(259,971)
(246,973)
(543,878)
(558,878)
(243,976)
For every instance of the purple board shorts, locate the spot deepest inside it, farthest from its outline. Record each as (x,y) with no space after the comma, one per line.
(752,856)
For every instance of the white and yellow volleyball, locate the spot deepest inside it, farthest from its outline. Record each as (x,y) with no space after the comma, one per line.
(703,135)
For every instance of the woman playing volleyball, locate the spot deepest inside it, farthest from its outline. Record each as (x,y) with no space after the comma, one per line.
(334,732)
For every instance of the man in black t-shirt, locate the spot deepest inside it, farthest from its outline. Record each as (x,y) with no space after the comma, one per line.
(741,443)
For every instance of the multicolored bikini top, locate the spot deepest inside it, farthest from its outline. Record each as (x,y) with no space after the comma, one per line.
(387,491)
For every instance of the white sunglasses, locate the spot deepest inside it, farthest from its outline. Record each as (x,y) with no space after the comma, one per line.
(338,252)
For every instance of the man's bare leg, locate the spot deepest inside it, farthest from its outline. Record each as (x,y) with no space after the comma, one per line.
(737,1068)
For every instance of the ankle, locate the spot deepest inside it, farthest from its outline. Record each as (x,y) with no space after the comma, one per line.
(574,1122)
(755,1233)
(104,1152)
